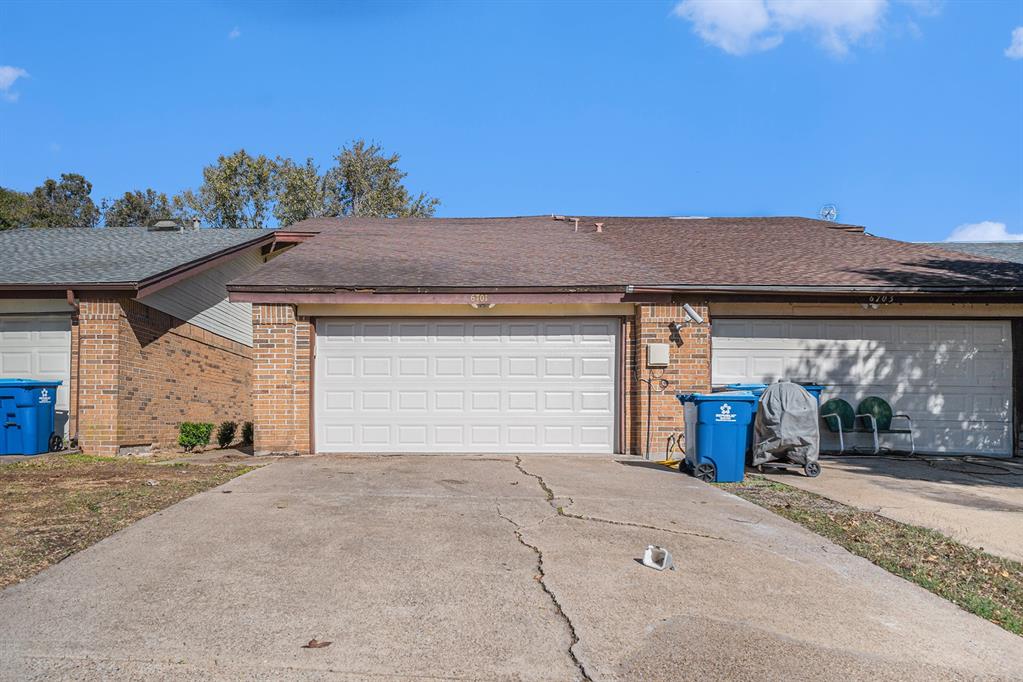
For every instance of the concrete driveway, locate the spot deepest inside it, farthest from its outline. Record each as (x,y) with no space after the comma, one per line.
(462,568)
(976,501)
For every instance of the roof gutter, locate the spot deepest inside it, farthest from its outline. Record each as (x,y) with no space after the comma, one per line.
(483,298)
(811,289)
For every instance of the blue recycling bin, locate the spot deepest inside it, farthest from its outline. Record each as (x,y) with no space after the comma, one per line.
(758,389)
(27,415)
(720,423)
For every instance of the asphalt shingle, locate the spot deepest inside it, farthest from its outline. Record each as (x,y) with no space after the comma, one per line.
(110,255)
(540,252)
(1010,251)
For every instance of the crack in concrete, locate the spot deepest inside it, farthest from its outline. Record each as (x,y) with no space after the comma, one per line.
(551,499)
(549,493)
(541,580)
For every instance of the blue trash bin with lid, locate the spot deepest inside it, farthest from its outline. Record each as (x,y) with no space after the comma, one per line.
(758,389)
(27,416)
(717,431)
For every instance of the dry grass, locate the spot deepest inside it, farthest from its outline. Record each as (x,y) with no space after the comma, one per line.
(986,585)
(56,505)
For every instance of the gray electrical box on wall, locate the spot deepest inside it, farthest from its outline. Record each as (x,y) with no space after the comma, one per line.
(657,355)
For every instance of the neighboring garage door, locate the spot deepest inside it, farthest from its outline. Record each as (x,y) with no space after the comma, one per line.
(474,385)
(38,348)
(954,378)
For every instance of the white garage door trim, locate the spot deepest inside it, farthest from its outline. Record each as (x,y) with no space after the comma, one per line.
(953,377)
(482,385)
(38,347)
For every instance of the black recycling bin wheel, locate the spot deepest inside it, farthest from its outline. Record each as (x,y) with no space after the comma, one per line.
(812,469)
(56,443)
(706,472)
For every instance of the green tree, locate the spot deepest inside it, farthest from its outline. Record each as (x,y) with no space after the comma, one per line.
(141,207)
(237,191)
(298,190)
(64,203)
(365,182)
(15,209)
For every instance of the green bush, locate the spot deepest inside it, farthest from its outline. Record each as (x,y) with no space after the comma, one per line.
(225,433)
(192,435)
(247,433)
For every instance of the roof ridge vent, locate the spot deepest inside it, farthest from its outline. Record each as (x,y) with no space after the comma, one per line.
(841,227)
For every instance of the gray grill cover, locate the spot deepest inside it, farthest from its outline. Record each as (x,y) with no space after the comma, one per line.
(786,427)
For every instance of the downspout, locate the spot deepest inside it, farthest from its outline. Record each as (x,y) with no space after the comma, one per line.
(76,316)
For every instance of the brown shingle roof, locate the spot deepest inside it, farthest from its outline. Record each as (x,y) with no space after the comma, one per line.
(541,253)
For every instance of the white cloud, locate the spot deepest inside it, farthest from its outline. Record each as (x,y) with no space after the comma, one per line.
(1015,49)
(743,26)
(985,231)
(8,75)
(838,23)
(737,27)
(235,33)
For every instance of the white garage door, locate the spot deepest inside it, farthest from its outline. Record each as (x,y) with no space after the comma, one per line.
(38,348)
(954,378)
(512,385)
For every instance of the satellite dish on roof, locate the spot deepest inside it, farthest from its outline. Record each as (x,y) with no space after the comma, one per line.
(828,212)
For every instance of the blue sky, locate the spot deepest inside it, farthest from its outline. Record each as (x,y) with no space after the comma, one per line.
(907,115)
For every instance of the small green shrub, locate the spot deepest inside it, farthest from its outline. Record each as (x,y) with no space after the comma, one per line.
(225,433)
(192,435)
(247,433)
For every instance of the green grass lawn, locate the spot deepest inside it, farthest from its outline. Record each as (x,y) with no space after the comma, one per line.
(54,505)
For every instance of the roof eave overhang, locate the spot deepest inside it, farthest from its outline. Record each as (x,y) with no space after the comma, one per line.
(139,289)
(426,297)
(164,279)
(810,290)
(58,289)
(591,294)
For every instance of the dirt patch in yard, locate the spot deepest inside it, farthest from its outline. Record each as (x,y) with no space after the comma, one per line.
(56,505)
(983,584)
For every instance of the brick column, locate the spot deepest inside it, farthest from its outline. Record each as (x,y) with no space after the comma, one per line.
(688,371)
(95,356)
(303,384)
(281,357)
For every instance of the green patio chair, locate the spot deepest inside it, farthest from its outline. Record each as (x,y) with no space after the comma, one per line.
(876,416)
(839,417)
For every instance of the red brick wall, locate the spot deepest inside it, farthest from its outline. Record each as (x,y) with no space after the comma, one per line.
(96,357)
(282,378)
(172,371)
(688,371)
(283,382)
(142,372)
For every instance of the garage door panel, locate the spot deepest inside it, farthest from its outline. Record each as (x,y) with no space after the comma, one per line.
(953,377)
(991,335)
(339,367)
(411,333)
(15,363)
(506,385)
